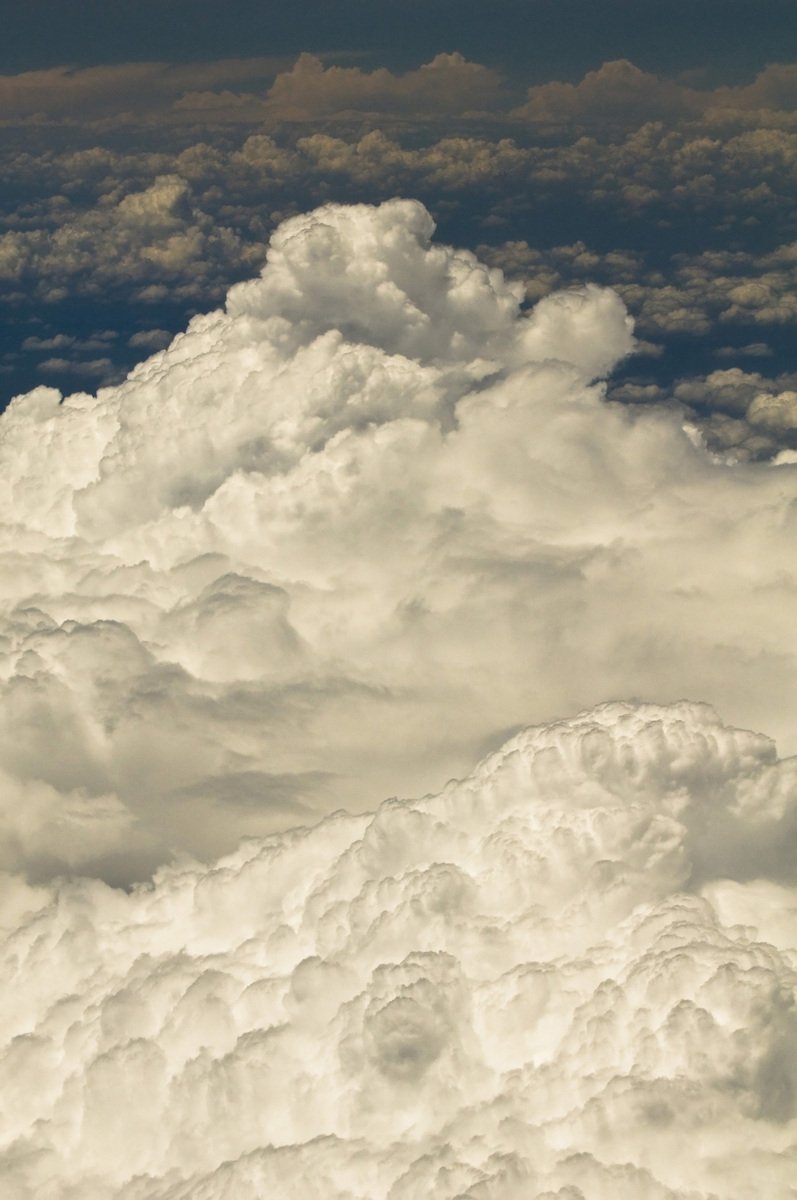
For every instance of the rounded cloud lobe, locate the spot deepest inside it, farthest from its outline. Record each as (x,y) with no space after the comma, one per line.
(552,979)
(341,537)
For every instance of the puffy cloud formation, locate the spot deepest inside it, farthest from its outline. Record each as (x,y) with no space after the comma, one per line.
(571,975)
(447,84)
(618,91)
(702,291)
(342,536)
(241,89)
(154,243)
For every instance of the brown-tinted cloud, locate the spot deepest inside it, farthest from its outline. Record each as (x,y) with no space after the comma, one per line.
(151,243)
(70,93)
(619,92)
(449,84)
(615,91)
(178,219)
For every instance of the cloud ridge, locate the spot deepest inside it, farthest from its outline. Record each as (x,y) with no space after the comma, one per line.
(536,983)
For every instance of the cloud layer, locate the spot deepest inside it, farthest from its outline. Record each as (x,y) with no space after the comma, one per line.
(345,533)
(554,980)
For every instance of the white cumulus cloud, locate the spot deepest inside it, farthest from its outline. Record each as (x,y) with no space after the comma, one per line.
(554,979)
(345,534)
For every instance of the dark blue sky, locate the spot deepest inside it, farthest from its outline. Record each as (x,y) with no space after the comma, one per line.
(543,39)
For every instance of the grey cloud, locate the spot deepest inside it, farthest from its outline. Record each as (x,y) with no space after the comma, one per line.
(732,389)
(749,415)
(101,368)
(150,339)
(740,415)
(258,789)
(448,84)
(740,170)
(82,94)
(774,88)
(775,413)
(59,341)
(244,91)
(751,350)
(312,91)
(698,293)
(618,92)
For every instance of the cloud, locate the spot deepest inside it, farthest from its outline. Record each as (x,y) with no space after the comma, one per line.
(699,292)
(101,368)
(150,339)
(352,528)
(751,350)
(740,414)
(614,94)
(59,341)
(140,241)
(492,178)
(776,413)
(749,415)
(620,93)
(773,89)
(448,84)
(569,974)
(617,91)
(73,94)
(242,90)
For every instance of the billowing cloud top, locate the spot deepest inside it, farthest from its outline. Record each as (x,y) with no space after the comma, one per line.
(447,84)
(340,537)
(555,980)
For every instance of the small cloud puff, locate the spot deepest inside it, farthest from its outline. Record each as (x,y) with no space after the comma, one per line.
(534,984)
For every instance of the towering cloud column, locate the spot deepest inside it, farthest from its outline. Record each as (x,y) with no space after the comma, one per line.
(339,539)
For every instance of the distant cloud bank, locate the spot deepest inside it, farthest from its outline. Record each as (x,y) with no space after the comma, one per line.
(146,189)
